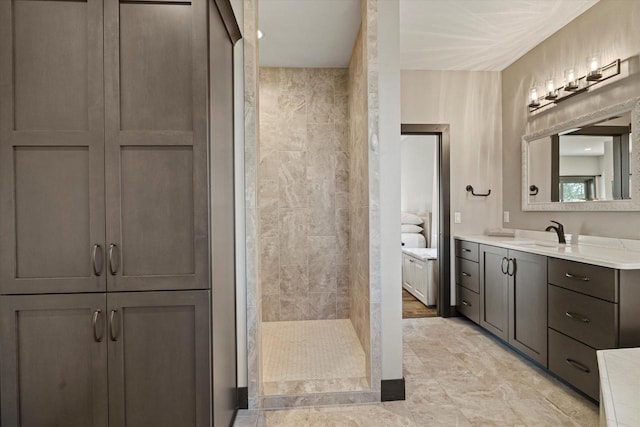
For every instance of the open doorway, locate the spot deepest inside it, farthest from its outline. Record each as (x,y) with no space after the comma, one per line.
(425,249)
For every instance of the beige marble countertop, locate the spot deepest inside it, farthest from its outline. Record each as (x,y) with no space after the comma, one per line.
(602,253)
(619,387)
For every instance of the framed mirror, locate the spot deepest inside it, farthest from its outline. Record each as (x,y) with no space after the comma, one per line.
(585,164)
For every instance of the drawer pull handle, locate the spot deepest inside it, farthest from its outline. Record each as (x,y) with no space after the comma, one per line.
(113,332)
(579,366)
(578,317)
(466,274)
(571,276)
(466,303)
(97,331)
(466,250)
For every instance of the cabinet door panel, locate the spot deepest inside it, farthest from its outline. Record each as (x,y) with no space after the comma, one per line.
(494,295)
(53,371)
(51,146)
(528,305)
(420,282)
(159,358)
(156,145)
(406,272)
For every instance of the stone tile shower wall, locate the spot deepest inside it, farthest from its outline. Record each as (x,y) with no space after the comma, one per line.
(359,195)
(303,194)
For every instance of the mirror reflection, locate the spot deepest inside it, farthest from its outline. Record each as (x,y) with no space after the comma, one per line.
(590,163)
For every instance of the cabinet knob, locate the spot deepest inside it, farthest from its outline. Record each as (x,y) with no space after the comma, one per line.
(466,303)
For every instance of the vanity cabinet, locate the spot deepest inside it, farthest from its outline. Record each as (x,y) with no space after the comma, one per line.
(513,299)
(467,279)
(528,305)
(494,291)
(588,312)
(555,311)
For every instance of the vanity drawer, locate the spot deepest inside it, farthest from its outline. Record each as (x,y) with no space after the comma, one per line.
(468,303)
(575,362)
(587,319)
(468,274)
(600,282)
(467,250)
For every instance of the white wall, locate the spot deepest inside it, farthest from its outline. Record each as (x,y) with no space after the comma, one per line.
(418,162)
(470,103)
(580,165)
(389,135)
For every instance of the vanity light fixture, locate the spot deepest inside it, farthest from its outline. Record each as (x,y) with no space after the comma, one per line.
(573,84)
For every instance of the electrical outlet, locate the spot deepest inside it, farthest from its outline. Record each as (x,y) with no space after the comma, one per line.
(457,217)
(505,216)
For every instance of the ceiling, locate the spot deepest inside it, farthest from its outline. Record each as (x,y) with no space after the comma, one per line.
(478,34)
(308,33)
(434,34)
(583,145)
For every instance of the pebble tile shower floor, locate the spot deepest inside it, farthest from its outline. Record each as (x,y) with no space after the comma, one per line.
(456,375)
(312,356)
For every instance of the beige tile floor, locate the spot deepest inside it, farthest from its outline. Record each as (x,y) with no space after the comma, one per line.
(456,375)
(312,356)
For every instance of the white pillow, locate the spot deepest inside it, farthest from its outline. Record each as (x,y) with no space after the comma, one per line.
(411,228)
(408,218)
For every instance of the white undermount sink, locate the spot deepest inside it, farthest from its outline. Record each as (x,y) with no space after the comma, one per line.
(534,243)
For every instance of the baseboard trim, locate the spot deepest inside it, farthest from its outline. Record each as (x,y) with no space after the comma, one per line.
(243,397)
(391,390)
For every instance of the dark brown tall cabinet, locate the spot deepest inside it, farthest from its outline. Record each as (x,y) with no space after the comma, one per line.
(116,120)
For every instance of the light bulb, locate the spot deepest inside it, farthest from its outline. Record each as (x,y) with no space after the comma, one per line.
(533,97)
(260,35)
(570,80)
(593,66)
(552,93)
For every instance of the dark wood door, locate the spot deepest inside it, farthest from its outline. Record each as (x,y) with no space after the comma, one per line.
(53,360)
(494,290)
(528,305)
(156,145)
(51,147)
(159,358)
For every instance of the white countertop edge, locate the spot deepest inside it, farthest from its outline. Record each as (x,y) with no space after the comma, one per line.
(604,261)
(618,413)
(606,396)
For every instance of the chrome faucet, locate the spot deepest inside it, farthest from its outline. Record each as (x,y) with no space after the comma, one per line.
(559,229)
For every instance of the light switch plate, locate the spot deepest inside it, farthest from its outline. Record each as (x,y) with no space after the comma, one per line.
(505,216)
(457,217)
